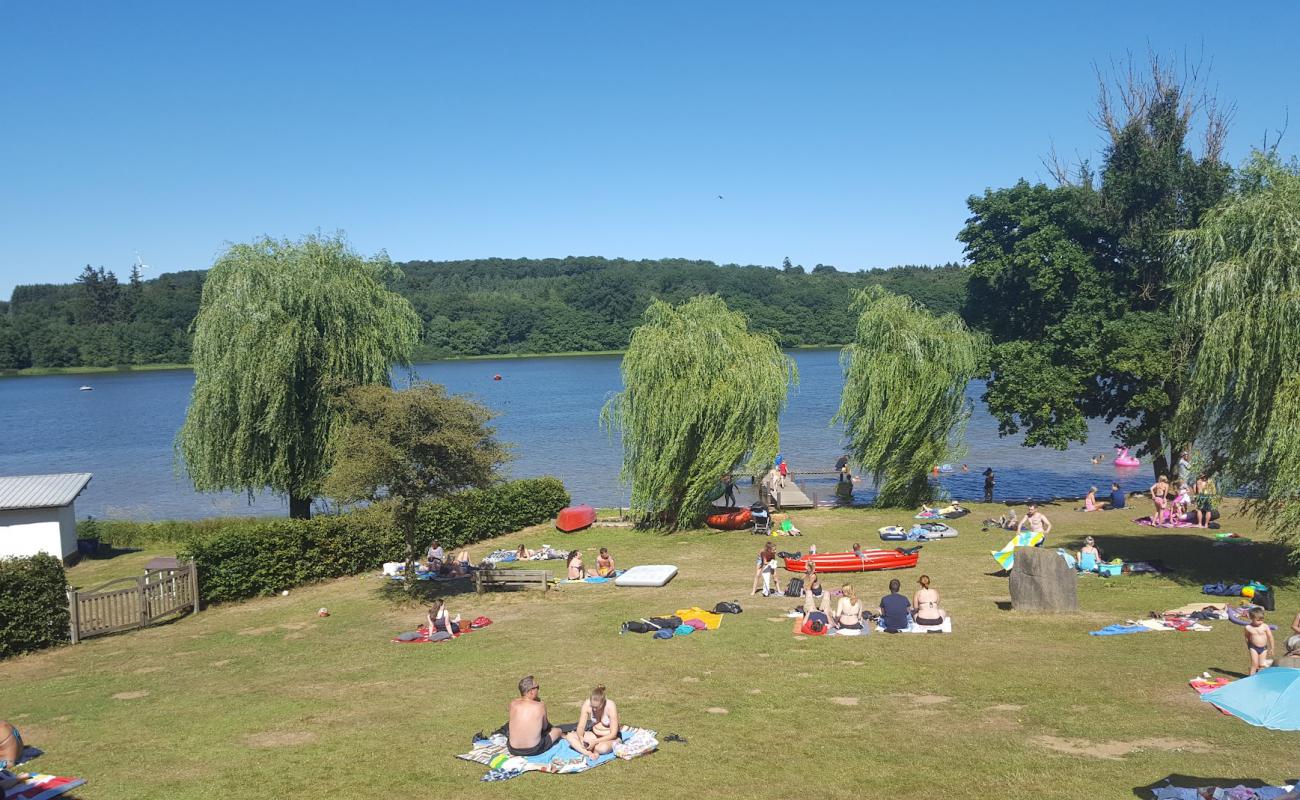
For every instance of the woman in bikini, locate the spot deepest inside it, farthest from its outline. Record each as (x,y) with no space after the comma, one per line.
(848,612)
(439,619)
(604,563)
(11,745)
(1090,500)
(925,604)
(598,727)
(1160,497)
(577,570)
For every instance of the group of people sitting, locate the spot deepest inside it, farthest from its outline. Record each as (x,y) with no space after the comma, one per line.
(529,731)
(1179,501)
(895,613)
(578,570)
(437,562)
(1117,499)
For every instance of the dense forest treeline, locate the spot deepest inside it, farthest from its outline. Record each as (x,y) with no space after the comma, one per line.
(480,307)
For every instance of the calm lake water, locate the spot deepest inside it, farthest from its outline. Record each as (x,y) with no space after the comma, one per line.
(548,410)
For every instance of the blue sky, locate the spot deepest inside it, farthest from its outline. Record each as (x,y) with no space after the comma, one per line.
(838,133)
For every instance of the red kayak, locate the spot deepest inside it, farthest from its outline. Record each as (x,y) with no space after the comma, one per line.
(869,561)
(575,518)
(730,519)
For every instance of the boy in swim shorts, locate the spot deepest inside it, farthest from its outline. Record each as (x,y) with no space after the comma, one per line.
(1259,641)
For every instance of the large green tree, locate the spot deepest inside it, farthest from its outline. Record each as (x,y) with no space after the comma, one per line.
(1074,283)
(701,396)
(283,327)
(408,447)
(903,403)
(1241,286)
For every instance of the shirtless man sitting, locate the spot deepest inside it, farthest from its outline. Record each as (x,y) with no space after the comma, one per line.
(530,732)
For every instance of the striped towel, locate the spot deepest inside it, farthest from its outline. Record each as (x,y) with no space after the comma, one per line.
(32,786)
(1006,557)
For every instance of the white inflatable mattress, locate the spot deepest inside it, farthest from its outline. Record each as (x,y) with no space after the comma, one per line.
(647,575)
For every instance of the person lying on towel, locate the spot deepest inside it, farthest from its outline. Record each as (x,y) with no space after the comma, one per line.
(530,732)
(598,728)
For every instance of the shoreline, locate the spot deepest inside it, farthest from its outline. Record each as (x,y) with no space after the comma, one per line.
(43,372)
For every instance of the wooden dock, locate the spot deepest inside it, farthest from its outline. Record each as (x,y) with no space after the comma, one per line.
(791,496)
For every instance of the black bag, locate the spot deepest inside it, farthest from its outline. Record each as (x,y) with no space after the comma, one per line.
(666,622)
(794,588)
(638,626)
(1264,599)
(727,608)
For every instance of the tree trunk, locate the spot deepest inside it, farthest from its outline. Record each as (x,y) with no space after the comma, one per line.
(299,507)
(1159,461)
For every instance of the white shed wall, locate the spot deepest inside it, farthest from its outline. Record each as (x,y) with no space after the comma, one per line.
(28,531)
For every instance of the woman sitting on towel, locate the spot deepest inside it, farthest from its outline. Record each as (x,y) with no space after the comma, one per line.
(816,600)
(925,604)
(11,746)
(439,620)
(523,553)
(577,571)
(598,727)
(604,563)
(848,612)
(1090,500)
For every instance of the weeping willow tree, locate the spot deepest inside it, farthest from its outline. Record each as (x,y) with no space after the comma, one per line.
(282,328)
(701,395)
(905,377)
(1241,284)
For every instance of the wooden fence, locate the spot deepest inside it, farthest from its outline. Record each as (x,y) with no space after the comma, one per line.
(128,603)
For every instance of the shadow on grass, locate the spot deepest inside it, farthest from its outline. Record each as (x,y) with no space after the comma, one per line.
(107,552)
(424,591)
(1228,672)
(1193,557)
(1003,605)
(1191,781)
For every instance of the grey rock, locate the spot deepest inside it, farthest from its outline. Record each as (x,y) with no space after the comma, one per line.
(1041,581)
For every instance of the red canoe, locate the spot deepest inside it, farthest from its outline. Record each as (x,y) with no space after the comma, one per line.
(869,561)
(730,519)
(575,518)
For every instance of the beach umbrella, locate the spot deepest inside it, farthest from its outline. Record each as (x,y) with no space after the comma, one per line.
(1270,699)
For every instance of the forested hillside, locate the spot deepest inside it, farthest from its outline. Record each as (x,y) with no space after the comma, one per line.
(478,307)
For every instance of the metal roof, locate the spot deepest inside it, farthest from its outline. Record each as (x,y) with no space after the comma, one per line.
(41,491)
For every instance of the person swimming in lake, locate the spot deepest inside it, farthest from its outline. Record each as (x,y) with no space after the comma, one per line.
(577,570)
(604,563)
(925,604)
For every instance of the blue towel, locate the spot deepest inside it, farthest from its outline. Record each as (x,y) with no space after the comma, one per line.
(565,752)
(1118,630)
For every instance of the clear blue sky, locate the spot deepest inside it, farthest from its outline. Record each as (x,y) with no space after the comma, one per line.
(839,133)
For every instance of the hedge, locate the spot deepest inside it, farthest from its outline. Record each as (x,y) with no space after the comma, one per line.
(124,533)
(263,559)
(33,604)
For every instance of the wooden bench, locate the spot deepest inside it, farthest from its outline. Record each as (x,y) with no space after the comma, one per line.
(510,578)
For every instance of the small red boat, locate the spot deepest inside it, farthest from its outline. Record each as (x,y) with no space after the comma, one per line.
(575,518)
(730,519)
(869,561)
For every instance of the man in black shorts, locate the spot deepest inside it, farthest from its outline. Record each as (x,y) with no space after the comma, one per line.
(530,732)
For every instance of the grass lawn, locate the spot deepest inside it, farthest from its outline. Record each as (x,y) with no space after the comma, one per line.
(264,699)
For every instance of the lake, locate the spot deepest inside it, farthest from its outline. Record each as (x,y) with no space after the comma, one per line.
(548,411)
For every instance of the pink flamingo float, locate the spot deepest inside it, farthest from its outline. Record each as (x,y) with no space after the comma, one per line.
(1123,459)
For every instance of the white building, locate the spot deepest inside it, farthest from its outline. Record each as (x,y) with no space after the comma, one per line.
(36,514)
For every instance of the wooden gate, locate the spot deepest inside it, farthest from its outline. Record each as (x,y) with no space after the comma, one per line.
(128,603)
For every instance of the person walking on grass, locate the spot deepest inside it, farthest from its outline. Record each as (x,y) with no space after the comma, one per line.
(765,571)
(1259,641)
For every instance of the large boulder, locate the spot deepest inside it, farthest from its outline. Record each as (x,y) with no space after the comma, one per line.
(1042,581)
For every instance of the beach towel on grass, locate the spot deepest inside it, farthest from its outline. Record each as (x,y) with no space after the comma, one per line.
(1006,557)
(588,579)
(912,627)
(560,759)
(1218,793)
(422,634)
(1203,686)
(33,786)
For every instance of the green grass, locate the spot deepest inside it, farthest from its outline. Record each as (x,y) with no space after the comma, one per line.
(31,371)
(265,699)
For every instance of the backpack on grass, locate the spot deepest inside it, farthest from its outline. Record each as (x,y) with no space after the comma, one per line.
(727,608)
(794,588)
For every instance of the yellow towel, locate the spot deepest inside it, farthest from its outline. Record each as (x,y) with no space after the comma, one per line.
(710,619)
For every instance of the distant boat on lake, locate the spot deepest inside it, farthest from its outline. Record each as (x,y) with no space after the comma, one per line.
(86,389)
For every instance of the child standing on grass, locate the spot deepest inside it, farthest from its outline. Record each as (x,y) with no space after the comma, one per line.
(1259,641)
